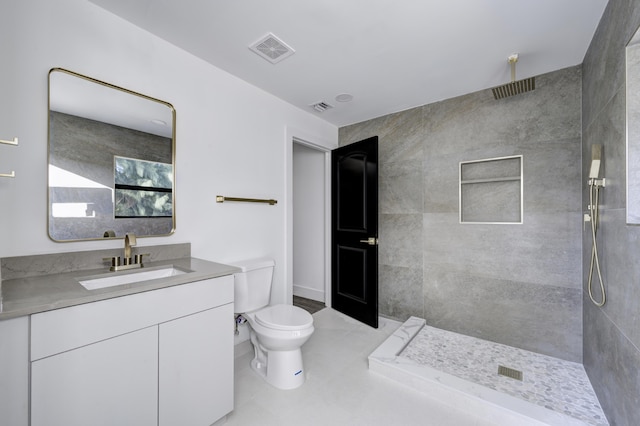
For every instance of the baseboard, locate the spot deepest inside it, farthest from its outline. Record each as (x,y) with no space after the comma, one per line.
(308,293)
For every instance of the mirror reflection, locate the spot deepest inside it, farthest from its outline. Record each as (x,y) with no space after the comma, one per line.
(111,160)
(633,129)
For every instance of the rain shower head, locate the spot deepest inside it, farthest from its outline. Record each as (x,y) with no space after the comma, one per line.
(515,87)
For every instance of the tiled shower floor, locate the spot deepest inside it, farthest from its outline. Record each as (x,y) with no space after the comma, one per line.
(461,368)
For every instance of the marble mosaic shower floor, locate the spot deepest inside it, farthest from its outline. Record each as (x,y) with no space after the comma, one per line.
(446,357)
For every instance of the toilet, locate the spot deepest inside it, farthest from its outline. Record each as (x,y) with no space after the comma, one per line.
(277,331)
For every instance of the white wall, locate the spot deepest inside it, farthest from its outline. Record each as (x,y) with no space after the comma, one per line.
(231,136)
(308,222)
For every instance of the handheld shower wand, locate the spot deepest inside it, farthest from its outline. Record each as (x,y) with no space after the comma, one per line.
(594,191)
(596,157)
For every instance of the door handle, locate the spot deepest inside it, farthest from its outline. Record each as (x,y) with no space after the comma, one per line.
(372,241)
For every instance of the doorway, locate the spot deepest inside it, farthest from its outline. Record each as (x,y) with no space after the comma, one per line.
(310,273)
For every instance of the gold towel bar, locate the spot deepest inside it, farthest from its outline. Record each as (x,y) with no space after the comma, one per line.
(13,142)
(9,175)
(222,199)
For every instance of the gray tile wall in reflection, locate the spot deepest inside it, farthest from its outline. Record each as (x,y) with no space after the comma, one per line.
(87,148)
(514,284)
(612,333)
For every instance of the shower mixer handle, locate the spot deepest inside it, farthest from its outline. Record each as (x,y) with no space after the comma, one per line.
(372,241)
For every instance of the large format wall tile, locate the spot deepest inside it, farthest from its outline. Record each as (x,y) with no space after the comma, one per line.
(608,129)
(399,135)
(545,250)
(400,292)
(621,270)
(549,113)
(611,361)
(611,333)
(552,176)
(420,153)
(400,237)
(511,312)
(400,187)
(604,63)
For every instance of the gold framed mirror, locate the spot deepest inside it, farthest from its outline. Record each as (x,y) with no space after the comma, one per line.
(111,160)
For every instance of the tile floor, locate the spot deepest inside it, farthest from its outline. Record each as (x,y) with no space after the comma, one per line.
(340,389)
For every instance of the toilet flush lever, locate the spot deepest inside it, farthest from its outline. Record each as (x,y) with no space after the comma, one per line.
(372,241)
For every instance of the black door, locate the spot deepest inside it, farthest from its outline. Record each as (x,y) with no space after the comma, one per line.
(354,266)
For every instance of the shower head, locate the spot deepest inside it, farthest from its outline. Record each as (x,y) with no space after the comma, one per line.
(515,87)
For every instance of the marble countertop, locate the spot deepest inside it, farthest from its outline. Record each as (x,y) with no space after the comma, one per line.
(26,296)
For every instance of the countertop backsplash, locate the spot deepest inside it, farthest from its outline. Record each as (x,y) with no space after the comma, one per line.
(57,263)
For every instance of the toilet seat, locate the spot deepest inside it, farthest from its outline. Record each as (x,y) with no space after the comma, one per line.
(284,317)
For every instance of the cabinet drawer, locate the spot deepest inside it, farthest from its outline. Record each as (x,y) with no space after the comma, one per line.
(60,330)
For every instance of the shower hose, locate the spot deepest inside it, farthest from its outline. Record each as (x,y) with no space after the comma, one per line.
(594,191)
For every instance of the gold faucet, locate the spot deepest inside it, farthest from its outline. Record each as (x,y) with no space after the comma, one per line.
(128,262)
(129,240)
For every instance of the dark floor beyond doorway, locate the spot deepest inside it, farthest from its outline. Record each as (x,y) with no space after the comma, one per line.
(308,305)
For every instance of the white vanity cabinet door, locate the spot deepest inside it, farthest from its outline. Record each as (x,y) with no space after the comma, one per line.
(111,382)
(14,371)
(196,368)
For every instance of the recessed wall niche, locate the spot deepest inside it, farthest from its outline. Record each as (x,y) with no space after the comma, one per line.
(491,190)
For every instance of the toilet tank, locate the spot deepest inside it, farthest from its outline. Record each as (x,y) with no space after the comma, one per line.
(252,286)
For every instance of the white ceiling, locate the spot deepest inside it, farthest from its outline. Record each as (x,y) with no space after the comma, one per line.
(390,55)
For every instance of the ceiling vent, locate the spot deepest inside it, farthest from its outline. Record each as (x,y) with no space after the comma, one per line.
(272,48)
(321,106)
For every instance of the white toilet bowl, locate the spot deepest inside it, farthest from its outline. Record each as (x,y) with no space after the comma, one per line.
(277,334)
(277,331)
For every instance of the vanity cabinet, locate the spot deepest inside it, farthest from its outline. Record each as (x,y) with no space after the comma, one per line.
(14,371)
(196,376)
(112,382)
(161,357)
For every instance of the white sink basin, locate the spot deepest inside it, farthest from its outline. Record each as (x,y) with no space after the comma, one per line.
(109,280)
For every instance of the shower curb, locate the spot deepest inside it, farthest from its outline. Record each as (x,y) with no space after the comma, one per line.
(454,392)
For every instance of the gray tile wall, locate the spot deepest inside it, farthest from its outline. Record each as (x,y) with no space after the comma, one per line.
(514,284)
(612,333)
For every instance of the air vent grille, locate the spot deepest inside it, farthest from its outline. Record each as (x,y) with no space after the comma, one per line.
(321,106)
(272,49)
